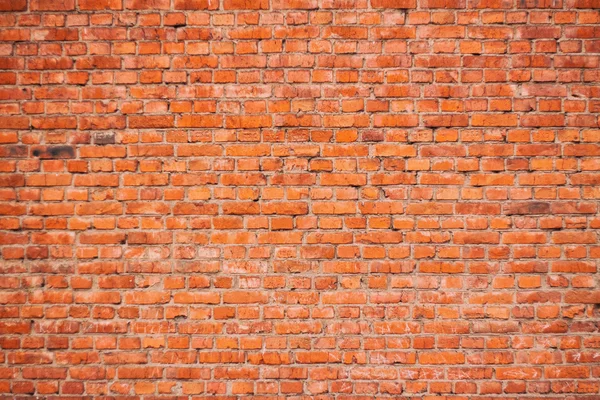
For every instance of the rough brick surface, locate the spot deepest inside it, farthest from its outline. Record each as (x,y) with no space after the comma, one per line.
(335,199)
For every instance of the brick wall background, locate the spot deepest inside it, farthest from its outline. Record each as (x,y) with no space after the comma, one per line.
(349,199)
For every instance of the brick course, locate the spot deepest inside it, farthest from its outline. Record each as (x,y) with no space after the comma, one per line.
(328,199)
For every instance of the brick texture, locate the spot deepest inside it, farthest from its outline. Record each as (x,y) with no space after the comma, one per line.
(307,199)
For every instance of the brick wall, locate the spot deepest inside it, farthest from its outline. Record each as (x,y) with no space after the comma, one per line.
(338,199)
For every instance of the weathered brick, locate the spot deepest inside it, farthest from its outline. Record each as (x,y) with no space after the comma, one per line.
(316,199)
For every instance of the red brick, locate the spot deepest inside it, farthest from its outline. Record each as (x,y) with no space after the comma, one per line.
(196,4)
(147,4)
(335,198)
(52,5)
(13,5)
(245,4)
(97,5)
(406,4)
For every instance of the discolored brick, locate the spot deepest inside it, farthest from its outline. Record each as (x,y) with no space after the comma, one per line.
(316,199)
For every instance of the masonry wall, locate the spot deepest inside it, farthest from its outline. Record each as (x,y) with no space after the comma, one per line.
(328,199)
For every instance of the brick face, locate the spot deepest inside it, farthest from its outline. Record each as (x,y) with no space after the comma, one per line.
(327,199)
